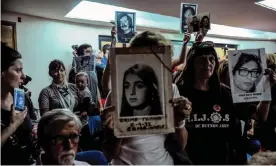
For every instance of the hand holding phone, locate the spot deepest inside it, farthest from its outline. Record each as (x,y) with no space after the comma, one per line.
(19,99)
(17,117)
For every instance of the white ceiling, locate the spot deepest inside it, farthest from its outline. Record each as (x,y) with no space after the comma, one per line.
(237,13)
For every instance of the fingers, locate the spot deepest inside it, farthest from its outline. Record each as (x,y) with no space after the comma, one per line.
(187,37)
(268,71)
(107,116)
(108,122)
(182,108)
(108,109)
(12,108)
(24,114)
(181,102)
(272,75)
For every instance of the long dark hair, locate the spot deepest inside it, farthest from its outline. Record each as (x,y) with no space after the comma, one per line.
(222,71)
(245,58)
(201,22)
(81,48)
(188,79)
(8,56)
(56,65)
(147,74)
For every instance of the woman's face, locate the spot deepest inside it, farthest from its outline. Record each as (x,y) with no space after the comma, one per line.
(205,22)
(204,66)
(246,75)
(58,75)
(135,90)
(13,77)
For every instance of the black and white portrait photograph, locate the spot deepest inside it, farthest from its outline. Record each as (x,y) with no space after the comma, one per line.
(126,26)
(248,81)
(199,22)
(205,21)
(142,104)
(85,63)
(140,92)
(187,10)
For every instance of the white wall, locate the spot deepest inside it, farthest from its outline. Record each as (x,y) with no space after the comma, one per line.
(41,40)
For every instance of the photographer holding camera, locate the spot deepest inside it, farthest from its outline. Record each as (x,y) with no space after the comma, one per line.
(28,100)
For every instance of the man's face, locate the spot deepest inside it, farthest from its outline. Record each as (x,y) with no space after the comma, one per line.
(64,145)
(124,24)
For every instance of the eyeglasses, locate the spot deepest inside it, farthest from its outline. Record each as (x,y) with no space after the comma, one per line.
(245,72)
(60,139)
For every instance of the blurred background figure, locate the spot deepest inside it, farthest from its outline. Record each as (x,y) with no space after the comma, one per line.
(101,62)
(58,135)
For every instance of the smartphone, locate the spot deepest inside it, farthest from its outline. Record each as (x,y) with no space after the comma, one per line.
(19,99)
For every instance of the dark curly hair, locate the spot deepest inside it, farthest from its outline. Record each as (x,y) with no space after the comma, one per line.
(201,22)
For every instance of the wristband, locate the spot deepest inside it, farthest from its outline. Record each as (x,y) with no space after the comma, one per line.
(182,125)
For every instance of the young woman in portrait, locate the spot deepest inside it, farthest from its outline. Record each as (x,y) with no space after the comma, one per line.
(247,73)
(205,22)
(140,92)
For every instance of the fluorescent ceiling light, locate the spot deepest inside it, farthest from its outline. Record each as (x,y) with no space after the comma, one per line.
(93,11)
(270,4)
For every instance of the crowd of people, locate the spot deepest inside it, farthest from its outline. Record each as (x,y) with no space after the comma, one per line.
(77,118)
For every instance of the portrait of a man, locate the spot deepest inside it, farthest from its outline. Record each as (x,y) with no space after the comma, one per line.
(186,11)
(125,23)
(248,80)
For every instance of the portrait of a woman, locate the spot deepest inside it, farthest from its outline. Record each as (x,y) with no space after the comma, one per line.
(247,73)
(140,92)
(205,22)
(194,25)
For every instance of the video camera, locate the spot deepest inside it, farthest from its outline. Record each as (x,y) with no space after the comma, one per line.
(26,80)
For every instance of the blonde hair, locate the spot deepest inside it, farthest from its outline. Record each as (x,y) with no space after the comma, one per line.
(150,38)
(263,158)
(271,59)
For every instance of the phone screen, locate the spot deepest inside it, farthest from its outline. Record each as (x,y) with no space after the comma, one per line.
(19,99)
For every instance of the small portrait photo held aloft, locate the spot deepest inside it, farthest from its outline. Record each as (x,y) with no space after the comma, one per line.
(199,22)
(126,26)
(247,74)
(143,90)
(85,63)
(187,10)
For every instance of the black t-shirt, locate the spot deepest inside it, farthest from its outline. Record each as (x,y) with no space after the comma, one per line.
(269,127)
(17,150)
(212,126)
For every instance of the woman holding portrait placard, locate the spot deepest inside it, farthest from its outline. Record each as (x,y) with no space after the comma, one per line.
(147,149)
(213,122)
(140,92)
